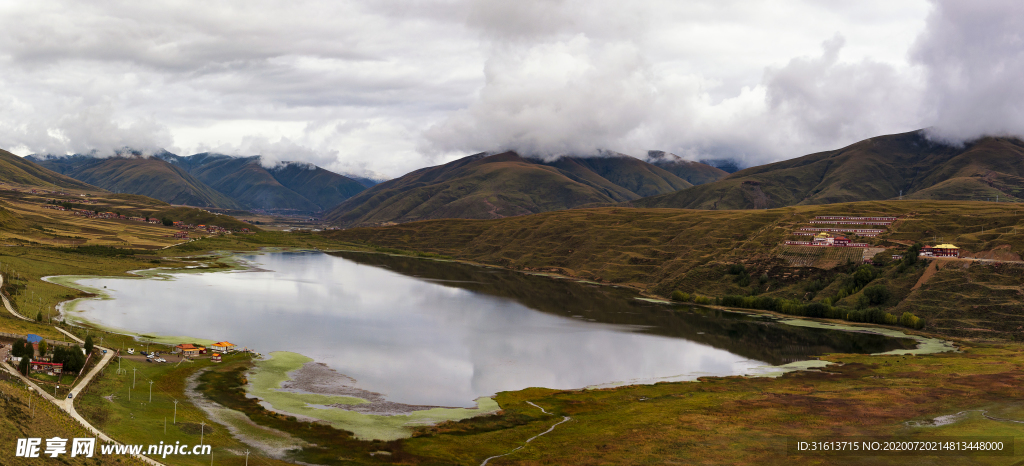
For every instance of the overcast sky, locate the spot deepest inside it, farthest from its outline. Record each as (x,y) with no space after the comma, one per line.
(390,86)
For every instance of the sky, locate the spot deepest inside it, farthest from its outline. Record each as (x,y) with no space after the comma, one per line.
(383,87)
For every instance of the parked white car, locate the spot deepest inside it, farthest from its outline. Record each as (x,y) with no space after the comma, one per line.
(131,350)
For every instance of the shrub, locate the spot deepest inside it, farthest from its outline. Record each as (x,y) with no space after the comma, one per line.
(814,286)
(23,366)
(737,269)
(680,296)
(743,280)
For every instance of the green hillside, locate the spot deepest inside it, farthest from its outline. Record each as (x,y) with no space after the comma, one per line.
(149,176)
(290,186)
(504,185)
(18,171)
(874,169)
(663,250)
(694,172)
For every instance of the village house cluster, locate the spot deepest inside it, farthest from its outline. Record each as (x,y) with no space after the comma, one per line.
(184,227)
(823,235)
(41,363)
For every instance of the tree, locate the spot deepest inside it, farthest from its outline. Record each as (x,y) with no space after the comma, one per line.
(18,348)
(72,358)
(167,222)
(42,348)
(88,344)
(864,275)
(911,256)
(877,294)
(23,366)
(39,316)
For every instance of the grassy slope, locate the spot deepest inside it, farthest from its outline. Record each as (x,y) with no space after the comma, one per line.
(291,186)
(19,171)
(694,172)
(661,250)
(324,188)
(873,169)
(504,184)
(248,182)
(149,176)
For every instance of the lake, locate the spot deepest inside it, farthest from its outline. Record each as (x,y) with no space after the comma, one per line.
(434,333)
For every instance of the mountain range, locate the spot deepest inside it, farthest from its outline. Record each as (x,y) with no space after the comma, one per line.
(210,180)
(907,165)
(507,184)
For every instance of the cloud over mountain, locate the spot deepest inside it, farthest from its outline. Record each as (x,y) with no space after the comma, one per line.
(387,87)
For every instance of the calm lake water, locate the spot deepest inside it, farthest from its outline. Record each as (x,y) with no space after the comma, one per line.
(433,333)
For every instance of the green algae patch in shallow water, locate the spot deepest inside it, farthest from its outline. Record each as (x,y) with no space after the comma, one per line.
(925,345)
(266,379)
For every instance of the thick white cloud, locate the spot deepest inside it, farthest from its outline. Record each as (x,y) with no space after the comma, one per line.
(974,56)
(391,86)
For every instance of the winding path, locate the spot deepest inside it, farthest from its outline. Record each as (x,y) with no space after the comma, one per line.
(7,303)
(520,447)
(67,404)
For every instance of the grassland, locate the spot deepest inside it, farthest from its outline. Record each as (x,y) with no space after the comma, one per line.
(732,420)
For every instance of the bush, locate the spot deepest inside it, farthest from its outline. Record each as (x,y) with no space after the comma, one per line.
(167,222)
(764,278)
(736,269)
(698,299)
(23,366)
(814,286)
(877,294)
(743,280)
(680,296)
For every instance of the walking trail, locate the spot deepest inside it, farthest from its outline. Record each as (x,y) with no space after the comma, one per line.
(7,304)
(520,447)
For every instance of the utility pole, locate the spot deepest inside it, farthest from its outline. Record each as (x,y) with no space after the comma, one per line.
(202,430)
(133,377)
(246,457)
(151,392)
(175,420)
